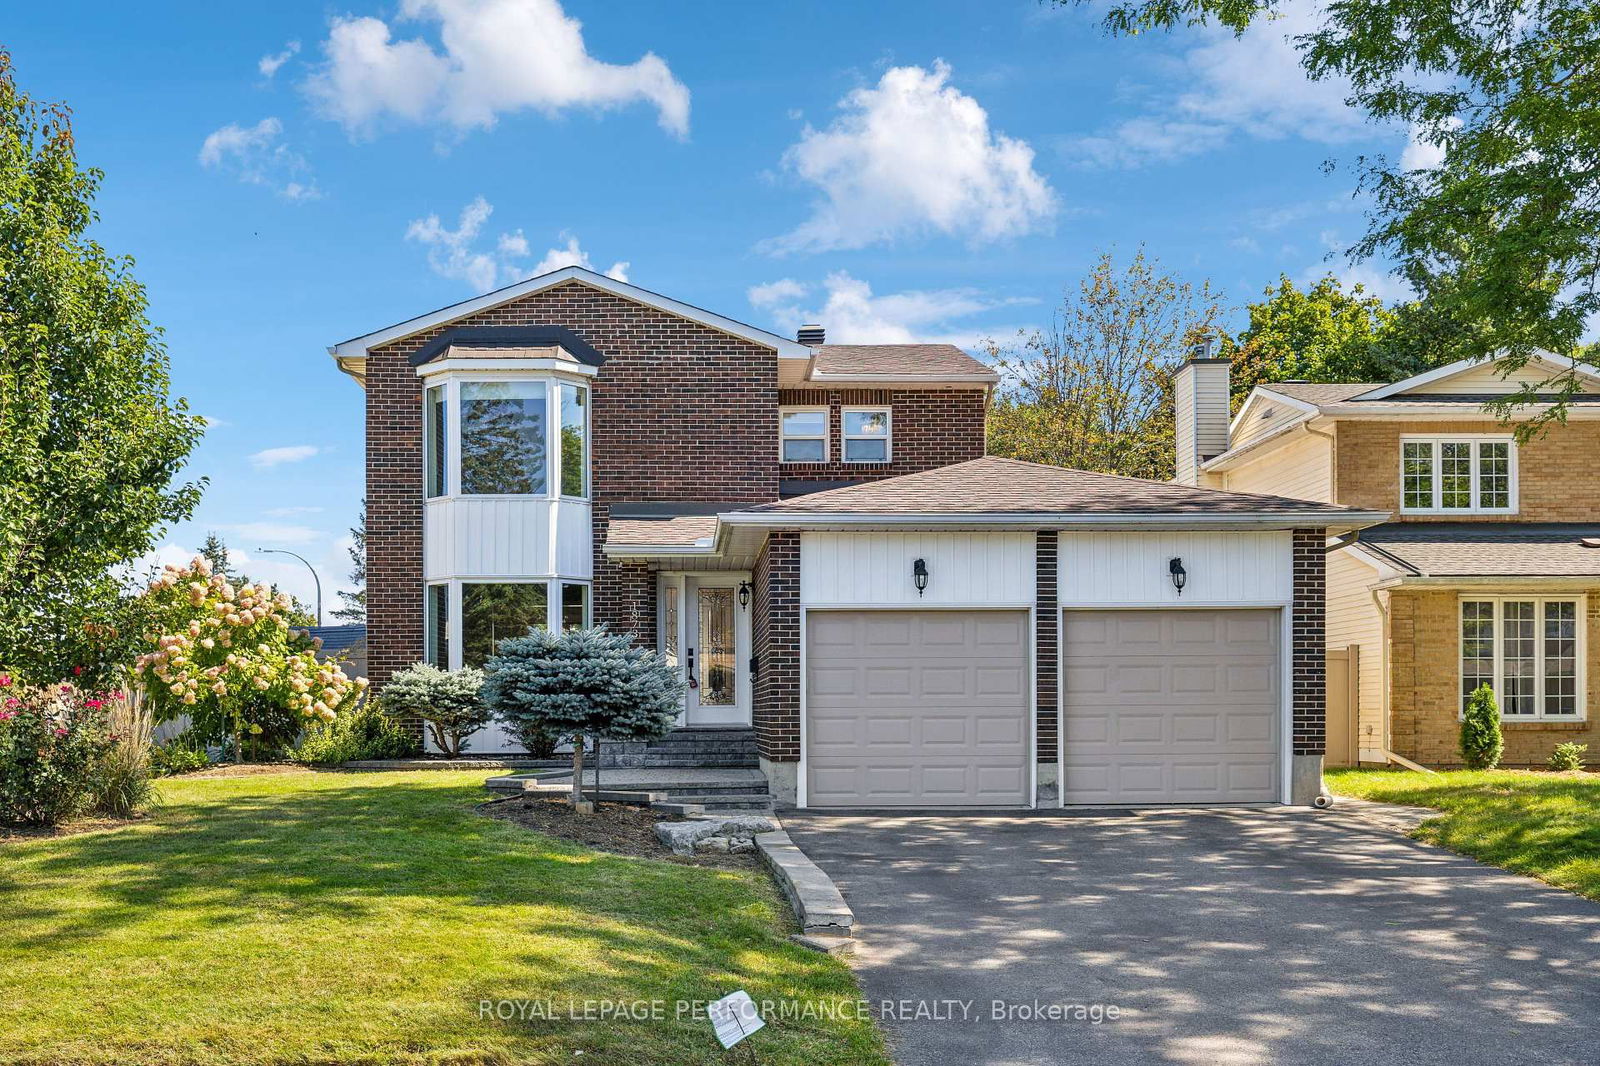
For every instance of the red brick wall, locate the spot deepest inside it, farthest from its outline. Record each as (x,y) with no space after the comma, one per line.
(928,428)
(1307,656)
(775,624)
(1047,622)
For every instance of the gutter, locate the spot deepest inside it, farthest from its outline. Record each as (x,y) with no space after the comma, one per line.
(1133,522)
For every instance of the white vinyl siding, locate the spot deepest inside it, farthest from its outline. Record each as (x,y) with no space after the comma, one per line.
(1458,475)
(1131,569)
(874,569)
(1529,650)
(1301,469)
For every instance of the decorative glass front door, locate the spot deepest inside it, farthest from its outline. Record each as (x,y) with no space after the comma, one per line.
(712,644)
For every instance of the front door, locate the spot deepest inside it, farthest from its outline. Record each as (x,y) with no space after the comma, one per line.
(713,646)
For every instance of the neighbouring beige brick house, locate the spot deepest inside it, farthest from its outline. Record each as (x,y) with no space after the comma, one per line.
(1487,572)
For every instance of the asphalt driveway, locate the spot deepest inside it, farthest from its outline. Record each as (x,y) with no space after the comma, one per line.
(1223,938)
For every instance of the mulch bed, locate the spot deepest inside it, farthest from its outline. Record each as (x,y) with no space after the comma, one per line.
(615,827)
(18,833)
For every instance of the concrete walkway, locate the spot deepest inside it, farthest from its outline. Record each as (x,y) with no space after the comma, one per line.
(1224,938)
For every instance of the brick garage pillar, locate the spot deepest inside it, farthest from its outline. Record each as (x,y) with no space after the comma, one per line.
(1308,665)
(1047,629)
(775,621)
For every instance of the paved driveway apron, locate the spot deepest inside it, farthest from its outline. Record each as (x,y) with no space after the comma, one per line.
(1224,938)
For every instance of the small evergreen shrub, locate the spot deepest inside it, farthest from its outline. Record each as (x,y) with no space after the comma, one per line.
(1568,756)
(1482,743)
(364,733)
(183,754)
(583,683)
(448,701)
(540,742)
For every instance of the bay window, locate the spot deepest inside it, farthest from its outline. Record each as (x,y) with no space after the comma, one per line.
(511,436)
(465,621)
(1529,650)
(1458,475)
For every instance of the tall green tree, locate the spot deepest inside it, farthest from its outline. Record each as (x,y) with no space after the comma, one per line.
(215,552)
(354,608)
(1502,238)
(1324,334)
(91,444)
(1092,390)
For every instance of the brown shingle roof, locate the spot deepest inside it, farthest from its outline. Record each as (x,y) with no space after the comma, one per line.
(1317,393)
(897,360)
(1497,549)
(992,485)
(678,531)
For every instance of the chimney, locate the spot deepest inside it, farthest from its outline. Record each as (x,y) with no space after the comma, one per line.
(810,334)
(1200,399)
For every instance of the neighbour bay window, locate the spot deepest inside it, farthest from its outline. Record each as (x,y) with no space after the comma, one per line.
(517,436)
(866,434)
(1458,475)
(1529,650)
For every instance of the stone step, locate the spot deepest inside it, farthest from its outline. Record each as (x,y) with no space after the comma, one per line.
(728,803)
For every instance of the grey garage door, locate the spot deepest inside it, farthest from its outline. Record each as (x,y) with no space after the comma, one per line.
(1170,706)
(916,708)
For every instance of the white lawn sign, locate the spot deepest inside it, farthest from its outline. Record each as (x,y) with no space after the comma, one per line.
(734,1017)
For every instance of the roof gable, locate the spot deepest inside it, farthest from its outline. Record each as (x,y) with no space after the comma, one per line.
(1481,377)
(356,348)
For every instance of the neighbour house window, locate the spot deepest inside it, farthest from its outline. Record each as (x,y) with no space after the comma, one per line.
(1529,650)
(492,612)
(574,606)
(803,434)
(866,434)
(435,631)
(433,442)
(503,438)
(1458,475)
(574,441)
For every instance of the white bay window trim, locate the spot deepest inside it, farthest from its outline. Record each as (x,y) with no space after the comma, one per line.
(1543,705)
(1431,449)
(450,381)
(454,627)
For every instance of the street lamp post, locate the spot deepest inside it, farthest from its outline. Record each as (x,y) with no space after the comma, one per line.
(309,567)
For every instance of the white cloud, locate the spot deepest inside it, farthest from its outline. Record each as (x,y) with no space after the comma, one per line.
(1252,85)
(1422,150)
(912,155)
(455,253)
(496,57)
(287,574)
(572,255)
(271,533)
(1389,287)
(269,65)
(293,453)
(851,314)
(290,512)
(257,156)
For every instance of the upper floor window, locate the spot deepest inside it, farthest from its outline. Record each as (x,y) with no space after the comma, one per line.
(497,437)
(1458,475)
(803,434)
(866,434)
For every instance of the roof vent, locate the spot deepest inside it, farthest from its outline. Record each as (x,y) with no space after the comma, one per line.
(810,334)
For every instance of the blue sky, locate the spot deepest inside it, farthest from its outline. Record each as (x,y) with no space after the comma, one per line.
(290,175)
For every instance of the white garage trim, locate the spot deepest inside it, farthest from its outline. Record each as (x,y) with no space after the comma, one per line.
(1285,673)
(1031,755)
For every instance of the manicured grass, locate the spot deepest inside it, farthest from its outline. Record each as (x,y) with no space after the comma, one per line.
(1546,825)
(361,918)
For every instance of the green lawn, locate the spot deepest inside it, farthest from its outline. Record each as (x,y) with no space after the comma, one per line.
(360,918)
(1542,824)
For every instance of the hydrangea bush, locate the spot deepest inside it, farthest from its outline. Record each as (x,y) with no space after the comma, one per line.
(227,656)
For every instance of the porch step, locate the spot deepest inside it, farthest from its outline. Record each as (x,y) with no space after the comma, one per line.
(705,748)
(725,789)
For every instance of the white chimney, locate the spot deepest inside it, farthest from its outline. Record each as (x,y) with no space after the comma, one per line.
(1200,397)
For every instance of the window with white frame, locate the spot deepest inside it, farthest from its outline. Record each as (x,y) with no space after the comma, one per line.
(866,434)
(506,436)
(1529,650)
(803,434)
(1458,475)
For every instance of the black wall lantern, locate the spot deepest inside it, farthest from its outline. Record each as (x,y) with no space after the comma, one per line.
(1180,576)
(919,576)
(744,594)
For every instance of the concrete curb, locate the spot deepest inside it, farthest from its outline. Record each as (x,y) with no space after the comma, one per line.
(816,900)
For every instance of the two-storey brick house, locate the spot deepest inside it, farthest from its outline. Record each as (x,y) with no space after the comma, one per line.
(812,533)
(1489,571)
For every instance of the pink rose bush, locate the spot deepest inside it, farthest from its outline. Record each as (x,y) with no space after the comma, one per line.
(227,656)
(52,745)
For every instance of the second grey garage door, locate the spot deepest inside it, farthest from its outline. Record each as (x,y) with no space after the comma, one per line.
(1171,706)
(916,708)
